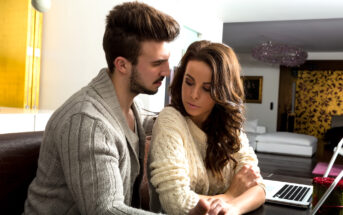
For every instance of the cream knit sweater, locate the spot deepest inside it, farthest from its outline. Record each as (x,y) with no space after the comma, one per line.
(177,170)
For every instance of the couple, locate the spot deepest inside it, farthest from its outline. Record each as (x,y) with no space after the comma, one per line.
(91,158)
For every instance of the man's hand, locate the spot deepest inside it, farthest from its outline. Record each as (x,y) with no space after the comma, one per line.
(202,208)
(245,178)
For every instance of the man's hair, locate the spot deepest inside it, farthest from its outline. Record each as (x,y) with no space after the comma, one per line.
(129,24)
(224,123)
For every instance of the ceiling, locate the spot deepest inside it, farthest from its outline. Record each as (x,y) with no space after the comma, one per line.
(314,25)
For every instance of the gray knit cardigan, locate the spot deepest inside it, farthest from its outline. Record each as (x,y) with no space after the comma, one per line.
(87,162)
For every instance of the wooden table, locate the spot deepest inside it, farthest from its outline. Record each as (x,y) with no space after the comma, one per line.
(285,168)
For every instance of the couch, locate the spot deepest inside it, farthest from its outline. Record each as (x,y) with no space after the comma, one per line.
(18,164)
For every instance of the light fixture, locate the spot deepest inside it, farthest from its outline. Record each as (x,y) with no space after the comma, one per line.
(41,5)
(282,54)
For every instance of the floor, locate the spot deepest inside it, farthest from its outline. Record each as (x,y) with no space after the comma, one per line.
(301,166)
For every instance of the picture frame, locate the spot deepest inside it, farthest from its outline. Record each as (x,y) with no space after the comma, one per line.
(253,88)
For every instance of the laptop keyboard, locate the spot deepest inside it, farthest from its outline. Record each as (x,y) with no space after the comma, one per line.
(292,192)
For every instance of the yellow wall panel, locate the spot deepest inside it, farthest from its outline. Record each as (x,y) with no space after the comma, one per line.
(319,96)
(18,21)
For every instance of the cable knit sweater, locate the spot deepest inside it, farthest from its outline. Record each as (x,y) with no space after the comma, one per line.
(90,161)
(177,170)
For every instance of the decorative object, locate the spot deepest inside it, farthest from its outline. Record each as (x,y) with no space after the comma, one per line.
(319,96)
(276,53)
(252,88)
(334,202)
(20,54)
(41,5)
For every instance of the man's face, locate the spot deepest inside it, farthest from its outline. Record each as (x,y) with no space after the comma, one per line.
(152,66)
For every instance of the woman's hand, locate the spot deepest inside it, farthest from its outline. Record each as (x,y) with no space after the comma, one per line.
(245,178)
(220,207)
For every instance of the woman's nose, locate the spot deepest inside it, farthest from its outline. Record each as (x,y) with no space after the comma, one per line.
(195,93)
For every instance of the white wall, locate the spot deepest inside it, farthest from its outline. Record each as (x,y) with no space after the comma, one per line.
(270,92)
(72,44)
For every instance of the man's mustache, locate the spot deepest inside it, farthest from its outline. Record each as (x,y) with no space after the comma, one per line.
(158,80)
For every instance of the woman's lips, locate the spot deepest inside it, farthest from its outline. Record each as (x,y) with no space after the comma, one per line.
(192,105)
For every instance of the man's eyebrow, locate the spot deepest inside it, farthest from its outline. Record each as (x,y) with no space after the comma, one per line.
(159,61)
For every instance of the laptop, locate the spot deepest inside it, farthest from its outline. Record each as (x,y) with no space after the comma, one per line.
(292,194)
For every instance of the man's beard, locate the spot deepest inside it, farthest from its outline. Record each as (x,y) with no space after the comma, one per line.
(136,87)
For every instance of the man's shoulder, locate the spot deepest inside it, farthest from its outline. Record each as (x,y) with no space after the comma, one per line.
(84,102)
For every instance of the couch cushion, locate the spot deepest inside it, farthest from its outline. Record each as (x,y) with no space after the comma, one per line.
(18,164)
(287,138)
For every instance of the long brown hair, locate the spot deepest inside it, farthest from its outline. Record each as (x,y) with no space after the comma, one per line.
(224,123)
(129,24)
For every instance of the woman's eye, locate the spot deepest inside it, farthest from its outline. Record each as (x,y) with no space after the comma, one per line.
(189,83)
(207,89)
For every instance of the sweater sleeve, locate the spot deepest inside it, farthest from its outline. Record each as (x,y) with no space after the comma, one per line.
(90,160)
(168,164)
(246,155)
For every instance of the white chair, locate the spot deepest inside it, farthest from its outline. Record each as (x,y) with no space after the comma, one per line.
(337,150)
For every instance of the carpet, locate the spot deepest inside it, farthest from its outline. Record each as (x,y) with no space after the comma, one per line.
(321,167)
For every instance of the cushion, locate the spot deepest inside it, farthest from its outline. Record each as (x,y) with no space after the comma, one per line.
(250,125)
(285,148)
(287,138)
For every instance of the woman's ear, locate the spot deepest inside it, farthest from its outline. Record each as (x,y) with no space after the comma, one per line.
(122,65)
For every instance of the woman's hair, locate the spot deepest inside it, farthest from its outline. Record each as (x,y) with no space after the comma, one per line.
(224,123)
(129,24)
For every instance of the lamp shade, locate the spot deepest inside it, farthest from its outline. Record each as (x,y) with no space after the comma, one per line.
(41,5)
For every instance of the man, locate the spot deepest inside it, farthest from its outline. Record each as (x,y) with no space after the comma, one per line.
(93,148)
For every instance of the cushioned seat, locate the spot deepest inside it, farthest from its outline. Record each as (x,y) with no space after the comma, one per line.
(18,164)
(287,143)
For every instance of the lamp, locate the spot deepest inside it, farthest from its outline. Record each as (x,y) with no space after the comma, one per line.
(41,5)
(281,54)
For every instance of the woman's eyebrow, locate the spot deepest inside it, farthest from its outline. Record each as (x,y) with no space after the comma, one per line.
(189,76)
(205,83)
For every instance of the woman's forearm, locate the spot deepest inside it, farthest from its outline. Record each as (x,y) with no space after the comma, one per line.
(250,199)
(247,201)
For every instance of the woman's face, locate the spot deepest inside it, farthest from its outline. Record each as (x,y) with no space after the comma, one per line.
(196,88)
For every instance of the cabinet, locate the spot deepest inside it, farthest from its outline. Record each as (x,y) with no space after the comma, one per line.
(22,120)
(20,45)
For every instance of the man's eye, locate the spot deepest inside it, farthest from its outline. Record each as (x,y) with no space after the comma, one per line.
(157,63)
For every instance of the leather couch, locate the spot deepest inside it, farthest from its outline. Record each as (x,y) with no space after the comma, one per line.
(18,164)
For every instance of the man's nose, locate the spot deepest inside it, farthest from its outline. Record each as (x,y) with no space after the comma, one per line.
(165,69)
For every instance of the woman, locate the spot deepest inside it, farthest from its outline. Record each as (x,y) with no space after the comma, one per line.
(198,150)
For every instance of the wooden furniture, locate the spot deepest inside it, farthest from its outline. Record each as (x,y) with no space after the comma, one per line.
(22,120)
(284,168)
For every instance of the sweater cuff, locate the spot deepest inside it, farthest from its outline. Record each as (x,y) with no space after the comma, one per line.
(193,201)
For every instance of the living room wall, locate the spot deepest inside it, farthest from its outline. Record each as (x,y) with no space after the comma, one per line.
(72,44)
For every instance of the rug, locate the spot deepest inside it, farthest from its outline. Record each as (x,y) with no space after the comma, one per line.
(321,167)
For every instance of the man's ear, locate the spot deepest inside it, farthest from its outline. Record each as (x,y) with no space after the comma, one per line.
(122,65)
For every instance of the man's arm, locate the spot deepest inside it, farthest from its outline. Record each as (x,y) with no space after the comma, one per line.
(91,164)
